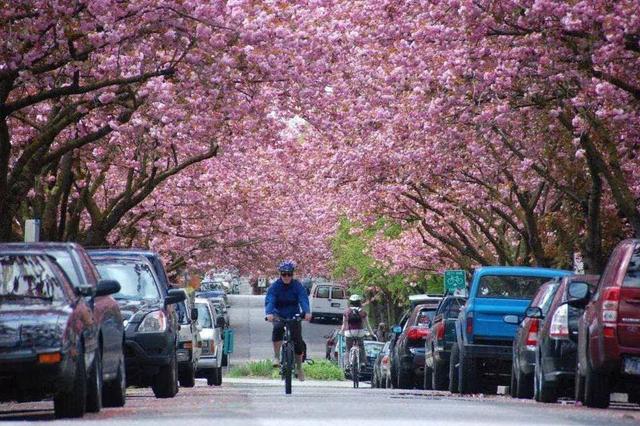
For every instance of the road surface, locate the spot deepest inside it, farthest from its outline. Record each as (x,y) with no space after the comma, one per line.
(247,402)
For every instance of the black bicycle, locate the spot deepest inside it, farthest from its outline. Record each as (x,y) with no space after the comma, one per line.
(287,352)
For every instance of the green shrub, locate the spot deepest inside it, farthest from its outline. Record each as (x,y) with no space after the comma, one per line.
(323,370)
(319,370)
(262,368)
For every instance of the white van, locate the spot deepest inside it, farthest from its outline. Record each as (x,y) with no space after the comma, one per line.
(328,301)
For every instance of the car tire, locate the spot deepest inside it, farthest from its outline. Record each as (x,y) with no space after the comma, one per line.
(513,382)
(73,404)
(633,397)
(225,360)
(187,377)
(219,377)
(439,376)
(544,391)
(94,385)
(427,378)
(596,388)
(467,374)
(165,383)
(114,393)
(454,360)
(579,386)
(524,385)
(405,380)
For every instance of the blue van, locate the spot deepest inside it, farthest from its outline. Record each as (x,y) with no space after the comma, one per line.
(481,359)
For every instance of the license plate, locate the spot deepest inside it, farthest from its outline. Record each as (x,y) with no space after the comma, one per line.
(335,305)
(632,366)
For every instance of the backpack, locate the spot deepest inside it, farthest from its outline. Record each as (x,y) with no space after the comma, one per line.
(354,318)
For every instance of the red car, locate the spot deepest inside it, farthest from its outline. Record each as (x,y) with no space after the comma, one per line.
(609,330)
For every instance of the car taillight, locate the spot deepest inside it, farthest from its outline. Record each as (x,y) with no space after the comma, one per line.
(417,333)
(187,345)
(559,329)
(440,331)
(611,298)
(385,359)
(532,336)
(469,325)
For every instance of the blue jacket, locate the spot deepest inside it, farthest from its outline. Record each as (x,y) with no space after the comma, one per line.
(286,300)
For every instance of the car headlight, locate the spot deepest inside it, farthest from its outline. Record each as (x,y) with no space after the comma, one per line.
(153,322)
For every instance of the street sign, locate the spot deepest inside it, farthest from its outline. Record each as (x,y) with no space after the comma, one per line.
(454,280)
(32,230)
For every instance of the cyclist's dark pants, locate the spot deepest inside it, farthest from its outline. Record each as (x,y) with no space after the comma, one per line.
(296,334)
(350,342)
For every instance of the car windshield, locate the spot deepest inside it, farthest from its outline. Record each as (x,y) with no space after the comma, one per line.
(509,287)
(204,316)
(135,278)
(211,286)
(28,276)
(425,317)
(373,348)
(63,258)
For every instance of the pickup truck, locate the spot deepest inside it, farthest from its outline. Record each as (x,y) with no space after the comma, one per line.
(438,343)
(482,356)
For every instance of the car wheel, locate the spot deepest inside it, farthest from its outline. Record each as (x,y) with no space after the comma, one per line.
(94,386)
(187,377)
(405,381)
(524,384)
(513,383)
(74,402)
(427,378)
(219,377)
(454,360)
(467,374)
(439,376)
(225,360)
(634,397)
(579,386)
(165,384)
(544,391)
(211,377)
(115,392)
(596,388)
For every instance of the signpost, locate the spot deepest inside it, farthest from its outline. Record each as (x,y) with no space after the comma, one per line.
(455,281)
(32,230)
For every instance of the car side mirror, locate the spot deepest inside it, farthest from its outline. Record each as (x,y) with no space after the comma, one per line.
(220,322)
(511,319)
(533,312)
(396,329)
(579,294)
(85,290)
(106,287)
(194,314)
(174,296)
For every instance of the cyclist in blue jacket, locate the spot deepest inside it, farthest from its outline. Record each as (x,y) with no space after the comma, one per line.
(286,298)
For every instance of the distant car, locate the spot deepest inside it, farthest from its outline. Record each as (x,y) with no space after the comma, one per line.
(408,350)
(371,349)
(381,368)
(328,302)
(213,289)
(48,335)
(222,309)
(109,368)
(424,299)
(438,342)
(555,363)
(151,328)
(525,342)
(189,343)
(609,330)
(210,363)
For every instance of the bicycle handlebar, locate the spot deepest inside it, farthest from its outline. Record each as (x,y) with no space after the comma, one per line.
(296,318)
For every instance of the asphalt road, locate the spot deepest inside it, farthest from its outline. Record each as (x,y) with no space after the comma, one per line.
(246,402)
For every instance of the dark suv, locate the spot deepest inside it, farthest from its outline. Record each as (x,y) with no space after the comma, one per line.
(608,336)
(151,329)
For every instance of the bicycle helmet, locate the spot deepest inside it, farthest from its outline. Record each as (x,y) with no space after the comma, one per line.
(287,266)
(355,300)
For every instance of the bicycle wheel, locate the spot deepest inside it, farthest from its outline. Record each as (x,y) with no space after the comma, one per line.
(355,367)
(287,367)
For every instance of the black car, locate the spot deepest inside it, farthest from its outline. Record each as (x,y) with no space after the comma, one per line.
(555,364)
(372,349)
(407,365)
(48,336)
(526,340)
(109,368)
(151,330)
(438,342)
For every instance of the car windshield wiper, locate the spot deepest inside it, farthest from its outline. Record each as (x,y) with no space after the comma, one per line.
(25,296)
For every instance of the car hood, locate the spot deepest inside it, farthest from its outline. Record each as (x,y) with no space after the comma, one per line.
(134,310)
(28,324)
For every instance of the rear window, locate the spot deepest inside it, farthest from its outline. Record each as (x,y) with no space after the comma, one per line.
(509,287)
(632,277)
(337,293)
(425,317)
(204,316)
(454,308)
(136,279)
(28,277)
(322,292)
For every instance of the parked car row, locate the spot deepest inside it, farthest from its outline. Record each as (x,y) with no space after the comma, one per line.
(81,325)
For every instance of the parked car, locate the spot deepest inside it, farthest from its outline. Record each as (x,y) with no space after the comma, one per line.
(371,349)
(213,289)
(438,342)
(109,368)
(484,342)
(151,327)
(526,340)
(189,343)
(608,331)
(332,340)
(210,364)
(408,351)
(555,361)
(328,302)
(222,309)
(48,335)
(381,368)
